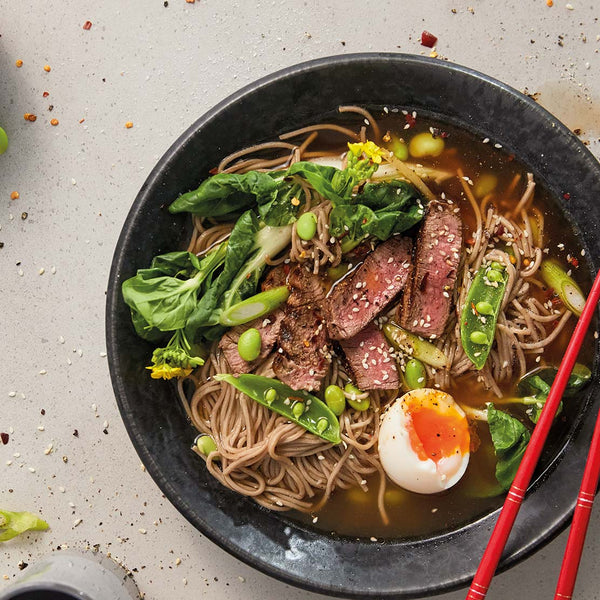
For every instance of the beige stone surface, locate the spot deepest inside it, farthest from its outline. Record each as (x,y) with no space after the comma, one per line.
(160,67)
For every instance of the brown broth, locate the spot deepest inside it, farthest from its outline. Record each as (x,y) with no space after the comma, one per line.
(354,512)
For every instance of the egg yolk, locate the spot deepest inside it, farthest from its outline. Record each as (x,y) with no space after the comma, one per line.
(436,429)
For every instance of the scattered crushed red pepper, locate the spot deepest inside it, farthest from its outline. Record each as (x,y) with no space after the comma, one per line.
(47,68)
(19,63)
(54,122)
(128,125)
(410,120)
(87,25)
(574,262)
(550,3)
(567,196)
(428,39)
(29,117)
(45,94)
(14,195)
(4,437)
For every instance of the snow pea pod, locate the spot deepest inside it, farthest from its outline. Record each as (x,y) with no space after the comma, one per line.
(477,329)
(315,415)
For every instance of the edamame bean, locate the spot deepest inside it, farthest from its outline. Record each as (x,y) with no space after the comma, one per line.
(249,344)
(485,184)
(415,375)
(478,337)
(306,227)
(298,409)
(497,265)
(424,144)
(322,425)
(270,395)
(3,141)
(205,444)
(400,149)
(355,402)
(494,275)
(484,308)
(335,399)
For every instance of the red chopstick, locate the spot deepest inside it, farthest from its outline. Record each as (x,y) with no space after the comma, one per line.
(581,518)
(495,547)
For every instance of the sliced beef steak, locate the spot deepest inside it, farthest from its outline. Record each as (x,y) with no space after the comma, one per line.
(305,287)
(276,277)
(367,355)
(303,354)
(426,304)
(269,328)
(362,295)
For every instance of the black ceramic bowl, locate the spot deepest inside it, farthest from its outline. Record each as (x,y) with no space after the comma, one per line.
(302,95)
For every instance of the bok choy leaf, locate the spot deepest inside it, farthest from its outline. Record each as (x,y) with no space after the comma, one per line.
(510,438)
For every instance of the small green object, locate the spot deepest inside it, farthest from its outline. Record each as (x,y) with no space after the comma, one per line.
(306,227)
(322,425)
(478,337)
(564,285)
(485,184)
(497,265)
(424,144)
(335,399)
(270,396)
(495,276)
(414,346)
(256,306)
(510,438)
(257,387)
(205,444)
(298,409)
(3,141)
(415,375)
(473,326)
(335,273)
(353,401)
(399,148)
(249,344)
(484,308)
(13,524)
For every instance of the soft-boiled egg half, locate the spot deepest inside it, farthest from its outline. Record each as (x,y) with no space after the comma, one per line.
(424,441)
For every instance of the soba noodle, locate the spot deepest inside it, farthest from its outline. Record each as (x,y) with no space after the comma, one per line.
(278,463)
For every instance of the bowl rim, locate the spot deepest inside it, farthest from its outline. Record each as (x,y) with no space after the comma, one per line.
(113,298)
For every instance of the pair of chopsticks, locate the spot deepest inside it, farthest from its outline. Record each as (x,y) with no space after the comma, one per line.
(514,498)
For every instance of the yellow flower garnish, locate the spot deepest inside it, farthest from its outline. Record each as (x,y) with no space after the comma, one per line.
(165,371)
(370,150)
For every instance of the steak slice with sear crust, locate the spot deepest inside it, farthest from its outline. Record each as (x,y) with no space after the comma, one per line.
(368,355)
(427,301)
(303,355)
(358,298)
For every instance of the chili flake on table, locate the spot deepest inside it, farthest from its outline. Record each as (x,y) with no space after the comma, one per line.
(129,125)
(19,63)
(14,195)
(428,39)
